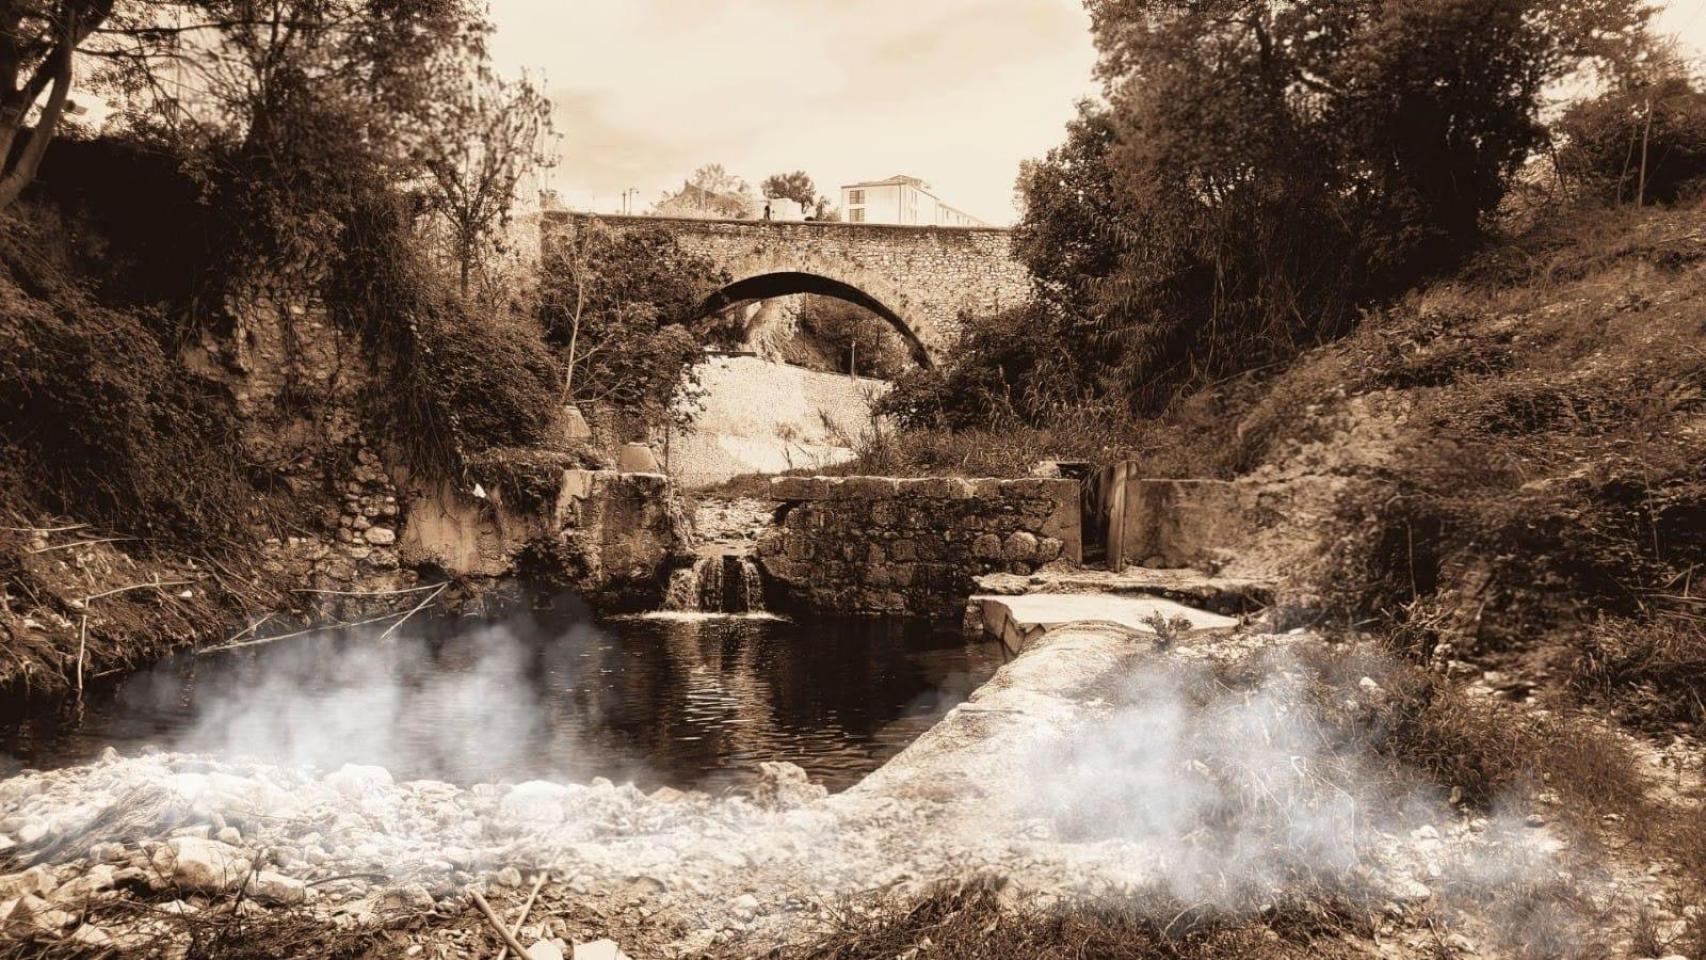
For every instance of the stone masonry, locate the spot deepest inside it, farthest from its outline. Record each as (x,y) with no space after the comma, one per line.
(878,545)
(926,276)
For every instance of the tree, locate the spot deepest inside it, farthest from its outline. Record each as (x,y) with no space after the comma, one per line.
(622,310)
(1642,142)
(794,186)
(711,192)
(38,46)
(492,135)
(1271,166)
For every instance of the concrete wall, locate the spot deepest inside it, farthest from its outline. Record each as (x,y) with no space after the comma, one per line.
(610,535)
(1247,527)
(877,545)
(762,417)
(927,276)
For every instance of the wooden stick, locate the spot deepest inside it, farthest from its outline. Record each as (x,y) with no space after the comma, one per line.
(82,644)
(492,918)
(526,908)
(137,586)
(75,526)
(81,543)
(418,607)
(373,593)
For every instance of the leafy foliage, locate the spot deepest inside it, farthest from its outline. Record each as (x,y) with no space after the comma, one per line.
(859,339)
(1640,144)
(623,311)
(1256,175)
(491,134)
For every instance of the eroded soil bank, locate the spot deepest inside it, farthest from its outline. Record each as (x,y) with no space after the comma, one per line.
(1228,775)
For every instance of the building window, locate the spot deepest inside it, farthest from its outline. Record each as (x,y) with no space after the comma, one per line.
(856,215)
(855,196)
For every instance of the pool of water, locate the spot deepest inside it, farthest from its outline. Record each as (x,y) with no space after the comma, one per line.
(685,700)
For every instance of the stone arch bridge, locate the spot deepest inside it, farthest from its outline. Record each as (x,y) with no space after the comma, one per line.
(920,279)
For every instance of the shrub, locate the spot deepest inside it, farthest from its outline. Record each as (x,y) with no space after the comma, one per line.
(623,313)
(1652,673)
(98,420)
(1644,144)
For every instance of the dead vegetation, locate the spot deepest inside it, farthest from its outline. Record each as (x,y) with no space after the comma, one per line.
(983,919)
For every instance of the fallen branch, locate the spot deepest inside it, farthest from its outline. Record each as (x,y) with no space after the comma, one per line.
(418,608)
(83,621)
(341,625)
(492,918)
(81,543)
(137,586)
(82,645)
(373,593)
(521,918)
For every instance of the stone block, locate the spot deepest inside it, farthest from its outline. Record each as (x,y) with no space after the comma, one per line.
(947,488)
(865,488)
(1019,545)
(986,547)
(799,488)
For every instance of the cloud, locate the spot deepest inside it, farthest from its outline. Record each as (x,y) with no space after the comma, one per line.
(956,91)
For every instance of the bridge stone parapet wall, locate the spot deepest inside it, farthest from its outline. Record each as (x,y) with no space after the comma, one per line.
(926,276)
(910,547)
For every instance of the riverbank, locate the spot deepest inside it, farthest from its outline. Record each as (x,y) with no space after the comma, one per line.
(1234,776)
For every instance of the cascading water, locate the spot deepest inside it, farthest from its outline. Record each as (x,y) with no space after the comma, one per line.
(717,584)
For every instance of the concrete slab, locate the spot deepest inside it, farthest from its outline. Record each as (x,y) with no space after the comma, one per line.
(1017,621)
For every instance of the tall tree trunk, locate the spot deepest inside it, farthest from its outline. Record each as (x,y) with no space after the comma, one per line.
(58,76)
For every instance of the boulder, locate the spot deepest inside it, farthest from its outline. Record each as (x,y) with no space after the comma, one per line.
(380,536)
(276,888)
(783,786)
(597,950)
(536,800)
(205,866)
(575,426)
(354,779)
(636,458)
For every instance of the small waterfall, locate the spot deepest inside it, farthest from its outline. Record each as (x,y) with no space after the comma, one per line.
(717,584)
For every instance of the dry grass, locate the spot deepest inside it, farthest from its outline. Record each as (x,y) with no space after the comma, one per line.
(1652,675)
(980,920)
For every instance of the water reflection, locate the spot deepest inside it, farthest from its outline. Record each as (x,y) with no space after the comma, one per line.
(684,701)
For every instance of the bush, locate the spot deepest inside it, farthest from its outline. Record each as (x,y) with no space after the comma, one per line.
(1653,673)
(97,420)
(1641,145)
(623,313)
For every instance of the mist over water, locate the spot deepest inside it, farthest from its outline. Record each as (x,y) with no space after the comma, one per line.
(541,695)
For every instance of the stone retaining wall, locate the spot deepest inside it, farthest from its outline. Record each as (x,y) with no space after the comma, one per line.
(609,535)
(878,545)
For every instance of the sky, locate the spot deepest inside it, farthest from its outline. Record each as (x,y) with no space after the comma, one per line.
(957,92)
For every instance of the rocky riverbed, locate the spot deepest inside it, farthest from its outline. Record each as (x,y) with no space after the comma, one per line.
(1075,773)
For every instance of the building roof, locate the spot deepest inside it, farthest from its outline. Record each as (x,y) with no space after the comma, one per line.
(897,179)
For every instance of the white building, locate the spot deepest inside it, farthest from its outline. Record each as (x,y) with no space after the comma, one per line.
(902,200)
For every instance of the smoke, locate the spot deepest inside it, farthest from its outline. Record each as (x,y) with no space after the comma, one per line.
(464,707)
(1235,793)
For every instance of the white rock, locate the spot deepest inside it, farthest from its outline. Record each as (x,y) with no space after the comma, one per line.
(546,950)
(783,786)
(536,800)
(354,779)
(230,835)
(38,881)
(599,950)
(270,887)
(205,866)
(507,877)
(91,936)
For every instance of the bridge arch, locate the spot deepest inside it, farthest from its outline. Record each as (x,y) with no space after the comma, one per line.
(782,283)
(923,278)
